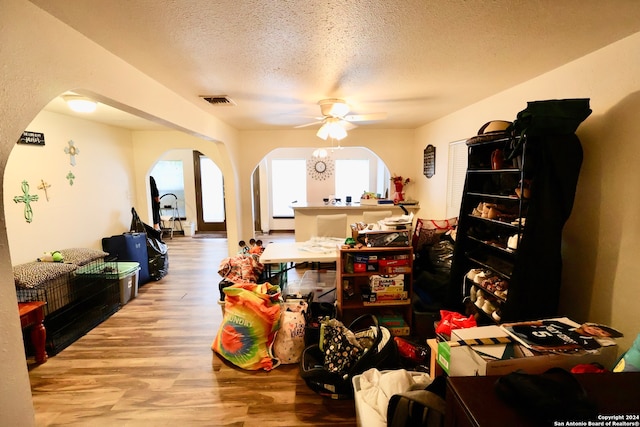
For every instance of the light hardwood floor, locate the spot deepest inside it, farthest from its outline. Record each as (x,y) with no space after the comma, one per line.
(151,364)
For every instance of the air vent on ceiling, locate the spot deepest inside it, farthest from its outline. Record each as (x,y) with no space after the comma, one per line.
(218,99)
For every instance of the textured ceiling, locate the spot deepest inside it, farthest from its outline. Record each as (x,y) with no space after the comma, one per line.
(416,60)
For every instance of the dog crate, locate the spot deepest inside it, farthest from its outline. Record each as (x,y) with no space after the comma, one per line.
(77,301)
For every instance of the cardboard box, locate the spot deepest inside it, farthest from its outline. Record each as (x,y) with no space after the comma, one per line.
(391,295)
(401,269)
(379,283)
(361,259)
(466,361)
(393,262)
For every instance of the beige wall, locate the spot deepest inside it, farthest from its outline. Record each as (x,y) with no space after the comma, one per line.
(96,205)
(41,59)
(600,242)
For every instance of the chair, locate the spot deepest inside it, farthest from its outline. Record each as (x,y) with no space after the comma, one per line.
(372,217)
(331,225)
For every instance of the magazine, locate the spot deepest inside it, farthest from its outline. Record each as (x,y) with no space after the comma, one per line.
(551,335)
(598,330)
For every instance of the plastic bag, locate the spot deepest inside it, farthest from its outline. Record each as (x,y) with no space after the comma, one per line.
(289,342)
(157,250)
(450,320)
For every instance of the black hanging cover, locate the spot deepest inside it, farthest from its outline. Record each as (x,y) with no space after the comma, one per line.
(157,249)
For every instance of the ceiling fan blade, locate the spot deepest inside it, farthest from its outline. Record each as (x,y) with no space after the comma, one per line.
(308,124)
(348,125)
(365,117)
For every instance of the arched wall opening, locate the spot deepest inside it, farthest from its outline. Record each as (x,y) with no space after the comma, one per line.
(298,167)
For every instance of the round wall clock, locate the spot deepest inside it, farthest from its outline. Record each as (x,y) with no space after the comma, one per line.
(320,169)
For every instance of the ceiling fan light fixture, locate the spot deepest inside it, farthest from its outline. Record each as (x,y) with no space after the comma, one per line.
(338,133)
(339,109)
(323,132)
(332,128)
(333,107)
(80,104)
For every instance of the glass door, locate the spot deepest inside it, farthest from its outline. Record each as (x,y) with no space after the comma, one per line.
(209,194)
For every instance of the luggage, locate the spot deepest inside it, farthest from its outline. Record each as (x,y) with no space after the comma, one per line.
(129,247)
(330,375)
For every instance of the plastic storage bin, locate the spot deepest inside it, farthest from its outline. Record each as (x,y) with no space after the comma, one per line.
(129,275)
(322,283)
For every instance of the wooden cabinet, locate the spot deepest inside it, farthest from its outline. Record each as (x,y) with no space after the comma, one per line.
(473,401)
(507,261)
(376,280)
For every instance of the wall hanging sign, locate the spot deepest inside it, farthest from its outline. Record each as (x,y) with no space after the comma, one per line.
(429,166)
(72,151)
(31,138)
(320,168)
(26,198)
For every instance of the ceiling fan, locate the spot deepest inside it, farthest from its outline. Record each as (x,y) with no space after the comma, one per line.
(336,121)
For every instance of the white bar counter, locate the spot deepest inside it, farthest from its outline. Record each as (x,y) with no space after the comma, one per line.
(305,215)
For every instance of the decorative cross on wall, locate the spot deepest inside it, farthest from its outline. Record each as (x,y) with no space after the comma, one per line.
(26,198)
(43,186)
(70,177)
(72,151)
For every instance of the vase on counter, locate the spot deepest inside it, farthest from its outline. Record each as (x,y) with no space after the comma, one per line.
(398,195)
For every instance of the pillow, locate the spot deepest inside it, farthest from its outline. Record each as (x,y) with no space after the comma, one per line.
(35,274)
(82,256)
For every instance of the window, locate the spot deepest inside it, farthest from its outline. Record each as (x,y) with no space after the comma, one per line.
(288,184)
(352,178)
(213,198)
(169,177)
(457,173)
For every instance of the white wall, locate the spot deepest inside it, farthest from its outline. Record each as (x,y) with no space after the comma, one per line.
(601,239)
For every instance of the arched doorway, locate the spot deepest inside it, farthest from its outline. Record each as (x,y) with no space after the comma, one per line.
(287,175)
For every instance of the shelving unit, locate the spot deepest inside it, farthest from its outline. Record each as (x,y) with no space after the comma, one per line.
(354,292)
(510,228)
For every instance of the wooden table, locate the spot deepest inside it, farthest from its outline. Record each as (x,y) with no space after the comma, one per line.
(32,315)
(472,401)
